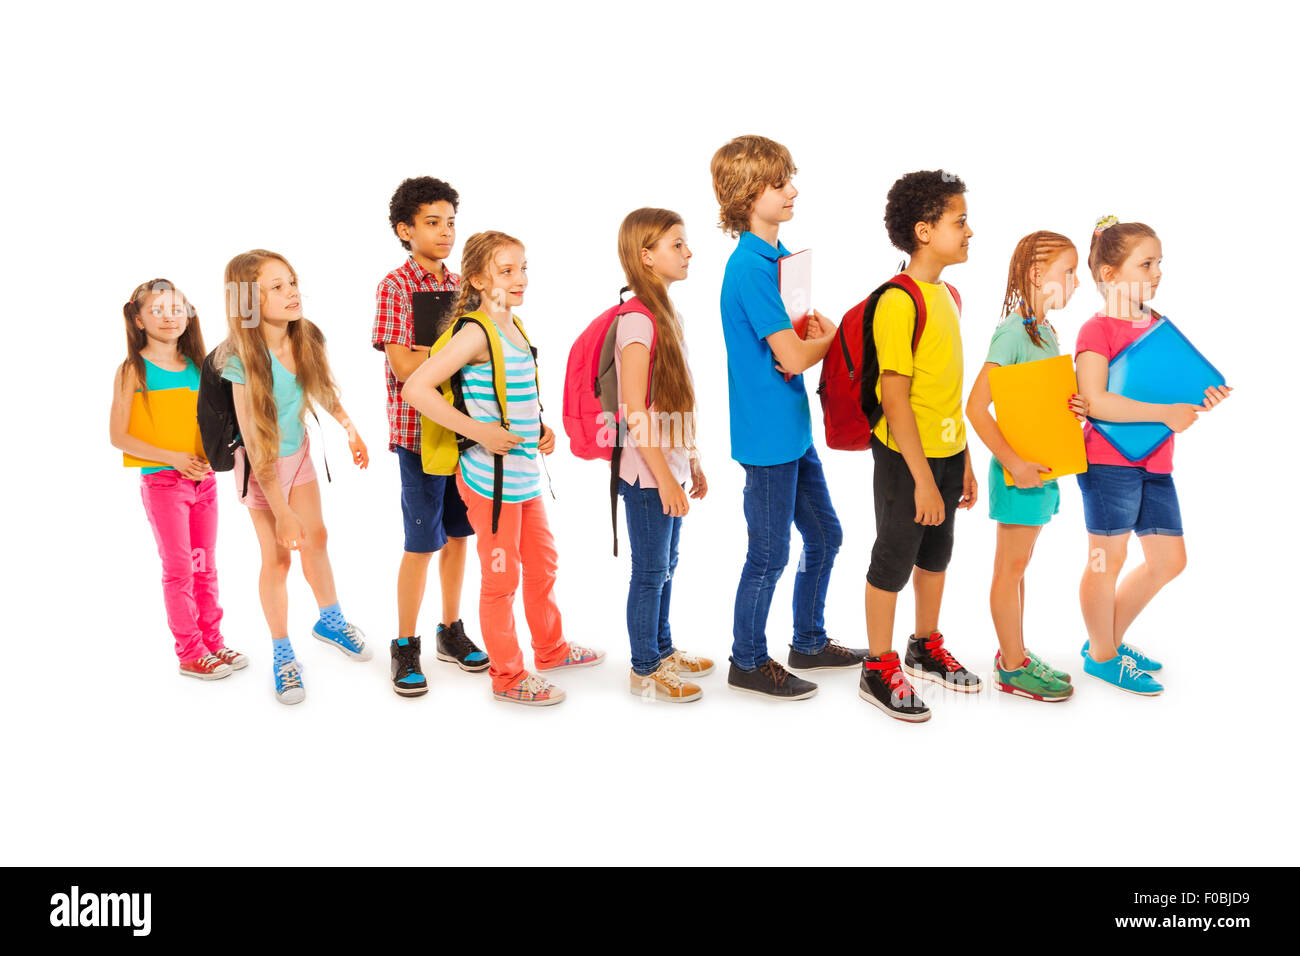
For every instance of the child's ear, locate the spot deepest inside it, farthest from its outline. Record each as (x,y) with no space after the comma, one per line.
(645,258)
(1036,277)
(922,232)
(404,231)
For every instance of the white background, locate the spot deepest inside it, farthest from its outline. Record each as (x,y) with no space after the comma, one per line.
(147,140)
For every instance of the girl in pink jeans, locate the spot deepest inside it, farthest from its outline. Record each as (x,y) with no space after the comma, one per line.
(164,350)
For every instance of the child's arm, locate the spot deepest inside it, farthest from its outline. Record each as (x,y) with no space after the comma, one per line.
(288,529)
(634,378)
(895,399)
(795,355)
(360,455)
(1092,370)
(1026,474)
(119,420)
(404,361)
(469,346)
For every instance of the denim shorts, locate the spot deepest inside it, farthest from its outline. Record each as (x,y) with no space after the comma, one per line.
(1118,499)
(432,509)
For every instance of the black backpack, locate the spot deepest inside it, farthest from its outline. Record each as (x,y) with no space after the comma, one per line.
(217,423)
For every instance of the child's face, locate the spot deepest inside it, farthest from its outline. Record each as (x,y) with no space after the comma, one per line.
(948,240)
(434,230)
(1138,275)
(278,287)
(670,256)
(775,204)
(1058,283)
(503,288)
(163,317)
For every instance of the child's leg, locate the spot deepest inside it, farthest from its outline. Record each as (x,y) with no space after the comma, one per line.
(665,597)
(304,499)
(538,556)
(203,541)
(927,592)
(1106,554)
(935,550)
(769,511)
(272,581)
(412,575)
(1007,594)
(498,557)
(898,542)
(650,536)
(167,505)
(814,516)
(451,576)
(1165,557)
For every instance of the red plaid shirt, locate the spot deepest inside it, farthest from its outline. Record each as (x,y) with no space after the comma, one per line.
(395,326)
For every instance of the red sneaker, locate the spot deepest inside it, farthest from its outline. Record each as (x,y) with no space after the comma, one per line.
(232,657)
(208,667)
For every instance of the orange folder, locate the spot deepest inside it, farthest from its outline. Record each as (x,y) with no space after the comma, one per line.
(171,421)
(1031,401)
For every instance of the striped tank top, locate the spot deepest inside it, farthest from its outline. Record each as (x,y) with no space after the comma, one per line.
(522,479)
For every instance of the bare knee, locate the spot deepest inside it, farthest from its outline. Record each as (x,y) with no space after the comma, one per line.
(314,538)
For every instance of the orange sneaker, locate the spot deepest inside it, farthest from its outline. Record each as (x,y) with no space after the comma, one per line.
(207,667)
(688,664)
(665,684)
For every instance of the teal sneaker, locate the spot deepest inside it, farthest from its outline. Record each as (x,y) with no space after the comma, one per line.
(350,640)
(1123,671)
(1034,680)
(288,683)
(1144,662)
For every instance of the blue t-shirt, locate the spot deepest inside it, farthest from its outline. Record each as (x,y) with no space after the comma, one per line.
(158,379)
(288,400)
(770,420)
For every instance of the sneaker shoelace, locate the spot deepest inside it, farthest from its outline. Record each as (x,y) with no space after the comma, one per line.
(1135,649)
(775,672)
(210,662)
(681,657)
(534,685)
(353,635)
(290,676)
(577,653)
(458,641)
(837,650)
(939,653)
(1129,666)
(900,688)
(407,661)
(668,677)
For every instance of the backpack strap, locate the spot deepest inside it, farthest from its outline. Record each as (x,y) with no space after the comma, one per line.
(904,283)
(324,457)
(616,453)
(497,360)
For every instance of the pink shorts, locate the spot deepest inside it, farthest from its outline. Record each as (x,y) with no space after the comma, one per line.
(295,469)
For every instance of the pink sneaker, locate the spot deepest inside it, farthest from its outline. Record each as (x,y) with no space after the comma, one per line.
(532,691)
(577,657)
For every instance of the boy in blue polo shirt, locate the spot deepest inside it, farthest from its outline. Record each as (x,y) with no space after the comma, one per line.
(771,426)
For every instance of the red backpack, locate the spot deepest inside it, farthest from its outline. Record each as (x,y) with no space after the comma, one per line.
(592,418)
(850,408)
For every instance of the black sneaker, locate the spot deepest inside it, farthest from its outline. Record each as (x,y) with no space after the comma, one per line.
(455,647)
(929,660)
(408,677)
(771,680)
(882,683)
(832,655)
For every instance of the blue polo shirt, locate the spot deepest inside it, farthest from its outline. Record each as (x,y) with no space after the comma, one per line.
(770,420)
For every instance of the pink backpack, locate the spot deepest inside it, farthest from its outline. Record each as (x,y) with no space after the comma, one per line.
(591,399)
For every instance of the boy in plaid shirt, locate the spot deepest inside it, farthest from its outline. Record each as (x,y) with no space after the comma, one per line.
(422,213)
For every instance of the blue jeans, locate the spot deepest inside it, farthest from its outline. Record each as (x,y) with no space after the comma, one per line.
(776,496)
(653,536)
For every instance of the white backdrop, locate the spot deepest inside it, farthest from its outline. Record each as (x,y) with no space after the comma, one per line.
(155,139)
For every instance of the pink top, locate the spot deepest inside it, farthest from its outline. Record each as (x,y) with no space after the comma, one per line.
(1109,336)
(635,327)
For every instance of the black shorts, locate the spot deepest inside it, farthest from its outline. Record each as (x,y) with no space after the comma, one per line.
(901,543)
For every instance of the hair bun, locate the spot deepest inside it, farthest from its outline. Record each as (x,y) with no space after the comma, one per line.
(1104,223)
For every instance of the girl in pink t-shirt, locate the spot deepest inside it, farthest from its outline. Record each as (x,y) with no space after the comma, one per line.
(659,453)
(1120,496)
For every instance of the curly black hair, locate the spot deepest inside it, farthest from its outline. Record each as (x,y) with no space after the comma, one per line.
(918,197)
(414,193)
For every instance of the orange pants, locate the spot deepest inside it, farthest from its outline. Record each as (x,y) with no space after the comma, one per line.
(523,543)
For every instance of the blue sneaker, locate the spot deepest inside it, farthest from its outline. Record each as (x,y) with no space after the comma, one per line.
(350,640)
(1143,662)
(1123,671)
(288,682)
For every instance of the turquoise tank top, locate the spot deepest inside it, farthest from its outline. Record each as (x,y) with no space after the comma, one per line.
(157,378)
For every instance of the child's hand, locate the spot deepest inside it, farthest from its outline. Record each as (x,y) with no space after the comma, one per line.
(360,456)
(673,497)
(1028,474)
(496,439)
(1214,395)
(699,484)
(929,504)
(1079,406)
(546,444)
(288,530)
(969,487)
(1180,417)
(819,327)
(190,466)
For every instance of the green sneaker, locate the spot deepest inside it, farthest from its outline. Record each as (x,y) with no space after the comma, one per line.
(1059,675)
(1035,680)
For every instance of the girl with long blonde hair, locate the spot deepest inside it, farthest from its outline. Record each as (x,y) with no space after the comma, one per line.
(275,359)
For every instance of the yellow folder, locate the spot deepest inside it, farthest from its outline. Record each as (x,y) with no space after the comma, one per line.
(170,421)
(1031,401)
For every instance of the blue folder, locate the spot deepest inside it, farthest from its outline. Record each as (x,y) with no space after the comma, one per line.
(1160,367)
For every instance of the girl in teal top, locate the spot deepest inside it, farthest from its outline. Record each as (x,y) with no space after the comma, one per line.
(1041,278)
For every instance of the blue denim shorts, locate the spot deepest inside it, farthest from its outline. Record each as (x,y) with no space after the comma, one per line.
(432,509)
(1118,499)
